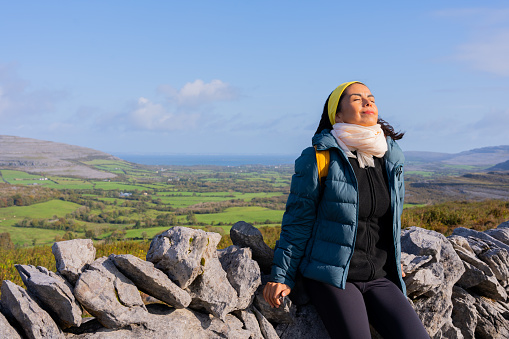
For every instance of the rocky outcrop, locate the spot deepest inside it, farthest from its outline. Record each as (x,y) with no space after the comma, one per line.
(245,235)
(35,322)
(182,253)
(54,293)
(72,257)
(434,269)
(51,158)
(151,280)
(239,268)
(109,296)
(7,330)
(457,285)
(307,324)
(212,291)
(284,314)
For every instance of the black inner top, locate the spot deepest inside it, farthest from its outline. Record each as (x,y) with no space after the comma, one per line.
(373,244)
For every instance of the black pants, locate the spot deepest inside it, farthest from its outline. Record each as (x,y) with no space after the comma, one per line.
(347,313)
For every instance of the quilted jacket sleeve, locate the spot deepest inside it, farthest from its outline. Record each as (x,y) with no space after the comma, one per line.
(298,219)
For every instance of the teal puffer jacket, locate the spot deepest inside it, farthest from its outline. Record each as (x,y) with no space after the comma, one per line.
(318,230)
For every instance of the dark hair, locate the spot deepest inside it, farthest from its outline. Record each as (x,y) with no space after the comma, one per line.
(325,123)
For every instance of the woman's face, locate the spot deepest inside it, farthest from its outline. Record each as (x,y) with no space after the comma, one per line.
(357,106)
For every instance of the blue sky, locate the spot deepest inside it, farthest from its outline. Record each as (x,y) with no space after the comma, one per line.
(236,77)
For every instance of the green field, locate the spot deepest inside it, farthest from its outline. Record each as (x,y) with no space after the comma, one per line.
(117,186)
(248,214)
(67,183)
(421,173)
(189,199)
(155,192)
(46,210)
(42,210)
(13,176)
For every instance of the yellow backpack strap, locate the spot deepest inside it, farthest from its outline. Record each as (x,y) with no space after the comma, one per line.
(322,162)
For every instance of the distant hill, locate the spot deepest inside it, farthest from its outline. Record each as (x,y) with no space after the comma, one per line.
(52,158)
(418,156)
(503,166)
(481,157)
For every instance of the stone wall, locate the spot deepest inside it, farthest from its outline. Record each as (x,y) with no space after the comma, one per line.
(458,286)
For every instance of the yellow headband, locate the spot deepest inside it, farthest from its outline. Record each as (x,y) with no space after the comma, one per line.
(334,100)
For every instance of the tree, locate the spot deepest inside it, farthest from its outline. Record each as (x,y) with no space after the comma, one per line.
(191,218)
(89,234)
(5,241)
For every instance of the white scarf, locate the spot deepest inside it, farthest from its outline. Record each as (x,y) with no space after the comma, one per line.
(367,141)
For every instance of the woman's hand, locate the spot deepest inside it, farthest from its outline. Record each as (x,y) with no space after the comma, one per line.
(274,293)
(402,272)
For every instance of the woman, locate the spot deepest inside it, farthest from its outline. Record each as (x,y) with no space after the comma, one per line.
(343,235)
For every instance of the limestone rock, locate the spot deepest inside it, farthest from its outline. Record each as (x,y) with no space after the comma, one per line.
(242,272)
(284,314)
(505,224)
(127,292)
(245,235)
(466,232)
(36,322)
(464,314)
(231,327)
(421,254)
(109,296)
(477,274)
(421,278)
(435,306)
(449,331)
(266,327)
(162,322)
(501,234)
(497,258)
(72,257)
(53,292)
(151,280)
(6,330)
(250,322)
(307,324)
(212,291)
(180,251)
(492,321)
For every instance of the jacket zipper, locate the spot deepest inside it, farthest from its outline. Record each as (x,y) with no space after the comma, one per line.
(368,227)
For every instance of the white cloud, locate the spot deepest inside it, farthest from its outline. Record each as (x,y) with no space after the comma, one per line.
(191,107)
(155,117)
(197,93)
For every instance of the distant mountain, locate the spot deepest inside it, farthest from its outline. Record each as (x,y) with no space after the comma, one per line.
(426,156)
(485,156)
(39,156)
(503,166)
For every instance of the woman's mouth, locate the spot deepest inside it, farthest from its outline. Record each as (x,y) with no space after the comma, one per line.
(369,112)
